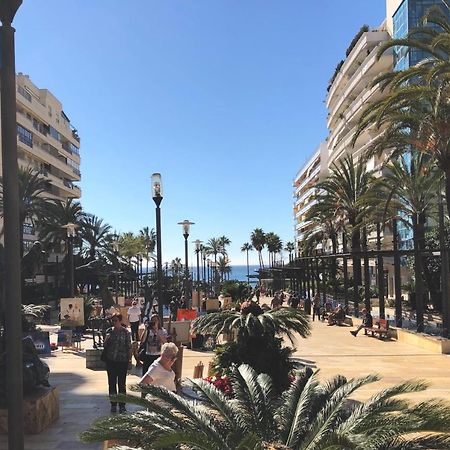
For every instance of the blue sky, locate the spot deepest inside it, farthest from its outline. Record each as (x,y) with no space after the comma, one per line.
(224,97)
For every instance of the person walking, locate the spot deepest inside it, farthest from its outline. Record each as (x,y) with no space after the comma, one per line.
(118,357)
(160,372)
(134,317)
(152,340)
(316,307)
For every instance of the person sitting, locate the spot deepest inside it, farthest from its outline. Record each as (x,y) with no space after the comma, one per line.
(337,317)
(367,322)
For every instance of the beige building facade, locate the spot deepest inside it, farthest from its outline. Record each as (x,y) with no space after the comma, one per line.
(305,182)
(47,142)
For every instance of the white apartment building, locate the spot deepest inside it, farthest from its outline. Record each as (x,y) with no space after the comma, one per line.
(315,170)
(46,142)
(350,91)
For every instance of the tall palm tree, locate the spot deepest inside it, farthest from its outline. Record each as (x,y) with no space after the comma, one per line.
(56,214)
(149,239)
(289,247)
(274,246)
(246,247)
(224,241)
(32,186)
(311,415)
(409,190)
(223,266)
(340,198)
(96,234)
(258,240)
(416,111)
(214,246)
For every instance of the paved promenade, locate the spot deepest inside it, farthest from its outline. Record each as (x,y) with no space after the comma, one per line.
(331,349)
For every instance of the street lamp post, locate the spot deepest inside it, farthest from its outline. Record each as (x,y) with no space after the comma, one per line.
(157,198)
(11,227)
(71,233)
(198,249)
(186,224)
(115,245)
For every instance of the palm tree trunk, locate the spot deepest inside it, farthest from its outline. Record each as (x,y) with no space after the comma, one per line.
(417,232)
(248,270)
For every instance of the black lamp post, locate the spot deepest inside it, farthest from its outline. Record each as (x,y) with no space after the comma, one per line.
(115,246)
(186,224)
(198,249)
(12,225)
(71,233)
(157,198)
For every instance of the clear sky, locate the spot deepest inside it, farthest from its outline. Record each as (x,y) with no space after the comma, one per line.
(224,97)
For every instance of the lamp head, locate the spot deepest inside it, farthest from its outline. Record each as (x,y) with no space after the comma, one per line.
(70,229)
(8,9)
(186,224)
(157,188)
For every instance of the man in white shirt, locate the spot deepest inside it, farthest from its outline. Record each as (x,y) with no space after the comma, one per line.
(160,373)
(134,317)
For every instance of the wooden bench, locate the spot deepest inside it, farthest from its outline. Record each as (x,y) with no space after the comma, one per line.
(381,329)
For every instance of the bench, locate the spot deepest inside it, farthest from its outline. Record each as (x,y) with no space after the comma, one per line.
(382,329)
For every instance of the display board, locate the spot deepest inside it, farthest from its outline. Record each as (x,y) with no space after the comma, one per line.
(72,312)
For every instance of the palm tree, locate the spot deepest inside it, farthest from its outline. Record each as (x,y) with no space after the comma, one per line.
(246,247)
(214,246)
(224,241)
(149,239)
(223,266)
(274,246)
(258,338)
(97,235)
(409,190)
(258,240)
(416,111)
(32,186)
(56,214)
(340,198)
(311,415)
(289,247)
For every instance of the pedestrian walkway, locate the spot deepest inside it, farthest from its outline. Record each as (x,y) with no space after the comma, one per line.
(333,350)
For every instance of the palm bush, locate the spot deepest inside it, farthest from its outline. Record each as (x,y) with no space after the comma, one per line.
(310,415)
(258,339)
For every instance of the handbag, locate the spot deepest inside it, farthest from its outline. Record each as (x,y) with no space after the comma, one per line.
(142,350)
(104,356)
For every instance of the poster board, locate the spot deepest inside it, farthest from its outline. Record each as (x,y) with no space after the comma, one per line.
(65,338)
(41,341)
(186,314)
(212,304)
(72,312)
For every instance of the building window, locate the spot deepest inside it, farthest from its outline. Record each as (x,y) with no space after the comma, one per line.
(21,90)
(25,136)
(27,244)
(74,165)
(55,134)
(28,228)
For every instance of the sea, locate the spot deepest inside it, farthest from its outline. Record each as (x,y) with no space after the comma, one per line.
(240,273)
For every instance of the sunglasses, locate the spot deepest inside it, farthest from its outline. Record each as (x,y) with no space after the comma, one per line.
(115,320)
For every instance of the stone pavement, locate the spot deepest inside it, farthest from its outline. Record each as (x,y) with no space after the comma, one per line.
(331,349)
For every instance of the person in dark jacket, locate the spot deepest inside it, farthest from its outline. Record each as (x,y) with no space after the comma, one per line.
(367,322)
(118,357)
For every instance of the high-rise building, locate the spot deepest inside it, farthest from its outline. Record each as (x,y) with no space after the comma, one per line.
(314,171)
(47,142)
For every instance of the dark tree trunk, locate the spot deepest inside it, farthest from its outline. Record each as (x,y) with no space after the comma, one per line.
(417,233)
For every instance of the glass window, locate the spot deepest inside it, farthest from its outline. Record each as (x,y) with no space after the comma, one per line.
(25,136)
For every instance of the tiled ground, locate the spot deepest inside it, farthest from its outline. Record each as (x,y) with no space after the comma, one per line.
(332,349)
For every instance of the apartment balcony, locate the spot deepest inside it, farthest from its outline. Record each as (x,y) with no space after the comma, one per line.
(303,210)
(369,69)
(365,44)
(68,188)
(308,179)
(44,154)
